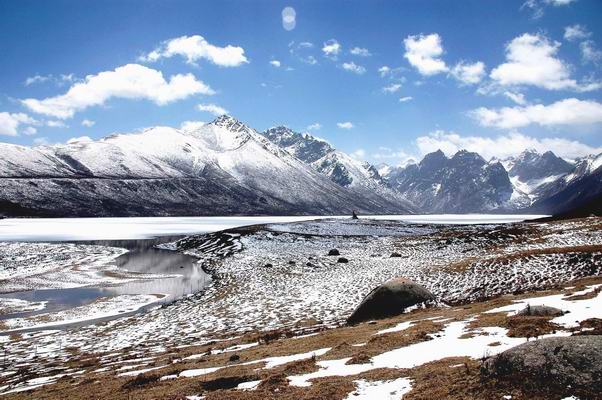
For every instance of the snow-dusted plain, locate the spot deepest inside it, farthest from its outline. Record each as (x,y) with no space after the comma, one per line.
(280,276)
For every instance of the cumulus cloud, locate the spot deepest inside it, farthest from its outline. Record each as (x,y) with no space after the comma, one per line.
(392,88)
(10,122)
(345,125)
(384,71)
(131,81)
(41,141)
(467,73)
(531,60)
(37,79)
(576,32)
(331,48)
(60,80)
(213,109)
(564,112)
(56,124)
(423,52)
(195,47)
(516,97)
(502,146)
(314,127)
(190,126)
(359,51)
(275,63)
(302,52)
(30,130)
(88,123)
(289,18)
(405,99)
(589,52)
(537,6)
(353,67)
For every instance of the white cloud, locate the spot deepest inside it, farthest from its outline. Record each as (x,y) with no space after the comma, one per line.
(359,51)
(358,154)
(531,60)
(37,79)
(131,81)
(576,32)
(564,112)
(213,109)
(331,48)
(516,97)
(301,51)
(502,146)
(314,127)
(468,74)
(190,126)
(589,52)
(424,52)
(195,47)
(275,63)
(537,6)
(345,125)
(30,130)
(80,140)
(392,88)
(88,123)
(353,67)
(406,98)
(41,141)
(289,18)
(384,71)
(401,157)
(10,122)
(56,124)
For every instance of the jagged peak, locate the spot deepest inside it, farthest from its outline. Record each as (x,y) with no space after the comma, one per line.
(231,123)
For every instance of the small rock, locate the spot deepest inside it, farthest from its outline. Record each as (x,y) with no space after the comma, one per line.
(395,255)
(334,252)
(234,357)
(342,260)
(291,263)
(268,265)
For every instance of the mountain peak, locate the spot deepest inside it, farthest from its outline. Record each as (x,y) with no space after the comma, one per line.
(230,123)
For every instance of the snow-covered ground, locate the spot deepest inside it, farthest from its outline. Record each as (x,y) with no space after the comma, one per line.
(74,229)
(281,277)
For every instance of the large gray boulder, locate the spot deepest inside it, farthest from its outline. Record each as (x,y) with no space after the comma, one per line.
(573,362)
(390,299)
(540,311)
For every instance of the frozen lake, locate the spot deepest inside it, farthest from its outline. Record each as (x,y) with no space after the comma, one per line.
(83,229)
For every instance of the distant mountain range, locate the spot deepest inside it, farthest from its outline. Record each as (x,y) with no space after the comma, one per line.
(227,168)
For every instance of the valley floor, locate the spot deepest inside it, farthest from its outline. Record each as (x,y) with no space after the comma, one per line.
(277,281)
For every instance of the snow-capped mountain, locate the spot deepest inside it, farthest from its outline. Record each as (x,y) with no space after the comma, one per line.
(223,167)
(463,183)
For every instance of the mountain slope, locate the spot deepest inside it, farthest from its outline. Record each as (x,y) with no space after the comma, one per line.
(463,183)
(224,167)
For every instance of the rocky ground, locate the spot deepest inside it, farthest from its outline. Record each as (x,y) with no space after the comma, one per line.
(277,281)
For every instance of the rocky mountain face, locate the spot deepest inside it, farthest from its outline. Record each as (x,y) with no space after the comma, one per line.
(222,168)
(463,183)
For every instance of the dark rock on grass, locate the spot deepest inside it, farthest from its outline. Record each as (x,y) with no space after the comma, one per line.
(342,260)
(572,364)
(268,265)
(334,252)
(390,299)
(540,311)
(394,255)
(234,357)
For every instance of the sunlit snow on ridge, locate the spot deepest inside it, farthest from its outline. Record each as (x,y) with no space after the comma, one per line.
(74,229)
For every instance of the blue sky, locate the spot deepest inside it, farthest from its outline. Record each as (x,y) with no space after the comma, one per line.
(383,80)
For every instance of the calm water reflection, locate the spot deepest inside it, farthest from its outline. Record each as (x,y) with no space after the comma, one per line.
(142,257)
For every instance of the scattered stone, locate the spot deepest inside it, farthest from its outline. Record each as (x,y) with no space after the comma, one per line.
(395,254)
(566,363)
(334,252)
(342,260)
(234,357)
(390,299)
(268,265)
(291,263)
(540,311)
